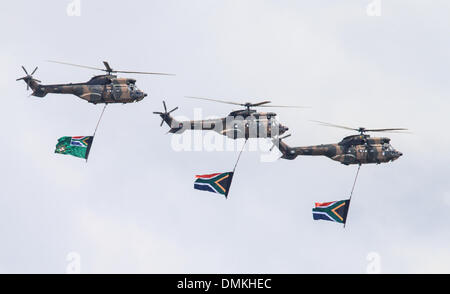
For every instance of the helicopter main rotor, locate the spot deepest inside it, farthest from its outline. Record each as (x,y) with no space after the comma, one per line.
(361,130)
(109,70)
(247,105)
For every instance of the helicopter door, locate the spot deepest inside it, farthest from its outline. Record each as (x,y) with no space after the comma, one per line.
(372,154)
(117,91)
(361,153)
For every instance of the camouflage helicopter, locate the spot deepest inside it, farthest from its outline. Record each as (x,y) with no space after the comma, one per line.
(243,123)
(107,88)
(355,149)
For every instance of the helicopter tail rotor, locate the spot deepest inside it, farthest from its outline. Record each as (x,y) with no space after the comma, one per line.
(29,80)
(278,141)
(165,116)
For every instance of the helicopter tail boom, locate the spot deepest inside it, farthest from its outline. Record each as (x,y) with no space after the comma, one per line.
(291,153)
(39,92)
(175,126)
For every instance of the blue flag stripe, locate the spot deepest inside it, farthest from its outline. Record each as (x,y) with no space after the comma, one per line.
(322,215)
(204,187)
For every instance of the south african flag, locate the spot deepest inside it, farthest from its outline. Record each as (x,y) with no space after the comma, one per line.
(75,146)
(335,211)
(217,183)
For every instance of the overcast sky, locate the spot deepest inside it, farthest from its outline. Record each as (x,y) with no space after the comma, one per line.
(132,208)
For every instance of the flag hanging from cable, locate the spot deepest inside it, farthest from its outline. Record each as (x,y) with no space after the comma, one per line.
(75,146)
(335,211)
(216,183)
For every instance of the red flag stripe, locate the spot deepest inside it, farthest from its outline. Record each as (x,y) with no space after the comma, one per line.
(207,176)
(324,204)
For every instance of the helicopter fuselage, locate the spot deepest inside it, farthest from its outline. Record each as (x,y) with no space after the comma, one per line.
(255,125)
(359,149)
(100,89)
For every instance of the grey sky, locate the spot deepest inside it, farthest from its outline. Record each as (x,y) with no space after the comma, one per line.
(132,208)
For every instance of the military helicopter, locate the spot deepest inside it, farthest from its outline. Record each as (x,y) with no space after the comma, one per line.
(107,88)
(243,123)
(355,149)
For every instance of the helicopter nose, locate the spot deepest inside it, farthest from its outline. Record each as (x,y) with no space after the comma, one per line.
(396,155)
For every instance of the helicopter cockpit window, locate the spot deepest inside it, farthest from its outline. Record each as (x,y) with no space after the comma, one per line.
(387,147)
(132,87)
(99,80)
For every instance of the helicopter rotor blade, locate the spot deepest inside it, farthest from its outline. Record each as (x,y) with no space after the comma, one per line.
(29,77)
(143,73)
(23,67)
(78,65)
(164,114)
(279,140)
(284,106)
(386,130)
(260,104)
(109,69)
(215,100)
(286,136)
(363,130)
(335,126)
(399,132)
(19,79)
